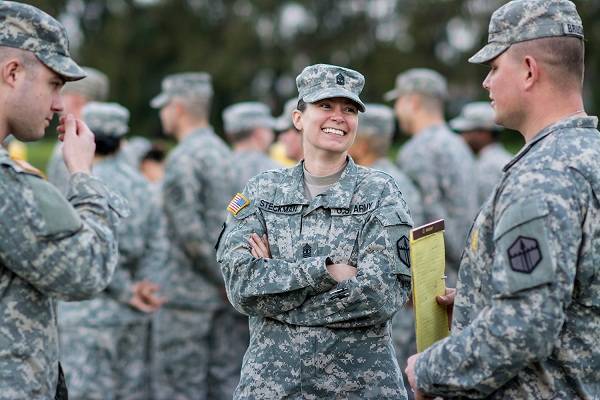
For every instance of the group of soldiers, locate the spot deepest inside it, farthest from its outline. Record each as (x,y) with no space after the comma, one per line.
(117,277)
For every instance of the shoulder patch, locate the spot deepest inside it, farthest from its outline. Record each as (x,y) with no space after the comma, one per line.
(524,254)
(403,249)
(237,203)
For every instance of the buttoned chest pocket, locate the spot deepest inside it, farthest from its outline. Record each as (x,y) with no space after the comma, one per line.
(283,223)
(343,236)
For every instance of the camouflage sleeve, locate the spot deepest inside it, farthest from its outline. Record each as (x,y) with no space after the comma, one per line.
(120,286)
(265,287)
(67,251)
(535,252)
(154,259)
(183,209)
(382,284)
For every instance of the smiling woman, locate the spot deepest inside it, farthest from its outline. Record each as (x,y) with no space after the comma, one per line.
(311,254)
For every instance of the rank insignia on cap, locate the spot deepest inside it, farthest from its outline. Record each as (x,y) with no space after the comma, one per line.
(238,202)
(339,79)
(403,249)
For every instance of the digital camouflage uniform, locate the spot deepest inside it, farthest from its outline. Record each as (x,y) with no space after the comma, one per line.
(479,116)
(311,337)
(526,319)
(50,248)
(105,342)
(488,169)
(377,125)
(193,361)
(238,121)
(440,164)
(94,87)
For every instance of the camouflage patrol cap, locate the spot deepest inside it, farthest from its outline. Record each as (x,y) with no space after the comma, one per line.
(284,121)
(419,80)
(378,120)
(94,86)
(28,28)
(106,119)
(187,85)
(475,116)
(324,81)
(245,116)
(522,20)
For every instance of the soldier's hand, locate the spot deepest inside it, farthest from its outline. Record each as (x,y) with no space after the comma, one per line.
(447,300)
(259,246)
(412,380)
(79,144)
(341,272)
(144,297)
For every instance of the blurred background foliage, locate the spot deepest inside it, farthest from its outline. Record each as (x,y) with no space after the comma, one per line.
(255,48)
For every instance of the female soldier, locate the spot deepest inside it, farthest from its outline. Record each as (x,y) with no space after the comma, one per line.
(317,256)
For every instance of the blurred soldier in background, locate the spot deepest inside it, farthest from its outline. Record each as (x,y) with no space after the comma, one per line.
(249,128)
(289,137)
(49,248)
(152,164)
(105,342)
(435,158)
(94,87)
(371,147)
(198,183)
(477,127)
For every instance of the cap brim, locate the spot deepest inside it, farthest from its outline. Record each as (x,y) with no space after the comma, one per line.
(62,65)
(391,95)
(160,101)
(461,125)
(488,53)
(335,92)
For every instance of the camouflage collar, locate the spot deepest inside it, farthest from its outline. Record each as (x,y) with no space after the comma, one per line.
(587,122)
(338,196)
(198,132)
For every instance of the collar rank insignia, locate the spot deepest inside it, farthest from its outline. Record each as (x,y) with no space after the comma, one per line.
(238,202)
(340,80)
(524,254)
(403,249)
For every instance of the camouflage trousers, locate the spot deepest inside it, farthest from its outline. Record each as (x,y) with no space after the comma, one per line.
(405,340)
(199,353)
(105,363)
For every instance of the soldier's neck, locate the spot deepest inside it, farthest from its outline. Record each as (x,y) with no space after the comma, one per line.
(423,121)
(319,165)
(546,113)
(187,126)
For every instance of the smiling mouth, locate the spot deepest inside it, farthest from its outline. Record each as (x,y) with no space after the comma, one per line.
(333,131)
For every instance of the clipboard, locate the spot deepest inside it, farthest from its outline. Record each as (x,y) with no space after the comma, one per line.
(427,255)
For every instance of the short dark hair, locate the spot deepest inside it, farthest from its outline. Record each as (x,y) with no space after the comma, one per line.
(156,153)
(107,145)
(563,55)
(301,105)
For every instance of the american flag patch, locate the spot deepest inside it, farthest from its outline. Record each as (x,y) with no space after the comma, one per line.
(238,202)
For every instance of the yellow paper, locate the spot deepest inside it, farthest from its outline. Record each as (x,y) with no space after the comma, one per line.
(427,254)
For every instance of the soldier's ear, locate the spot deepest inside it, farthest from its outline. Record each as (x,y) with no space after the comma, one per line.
(532,71)
(297,119)
(11,71)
